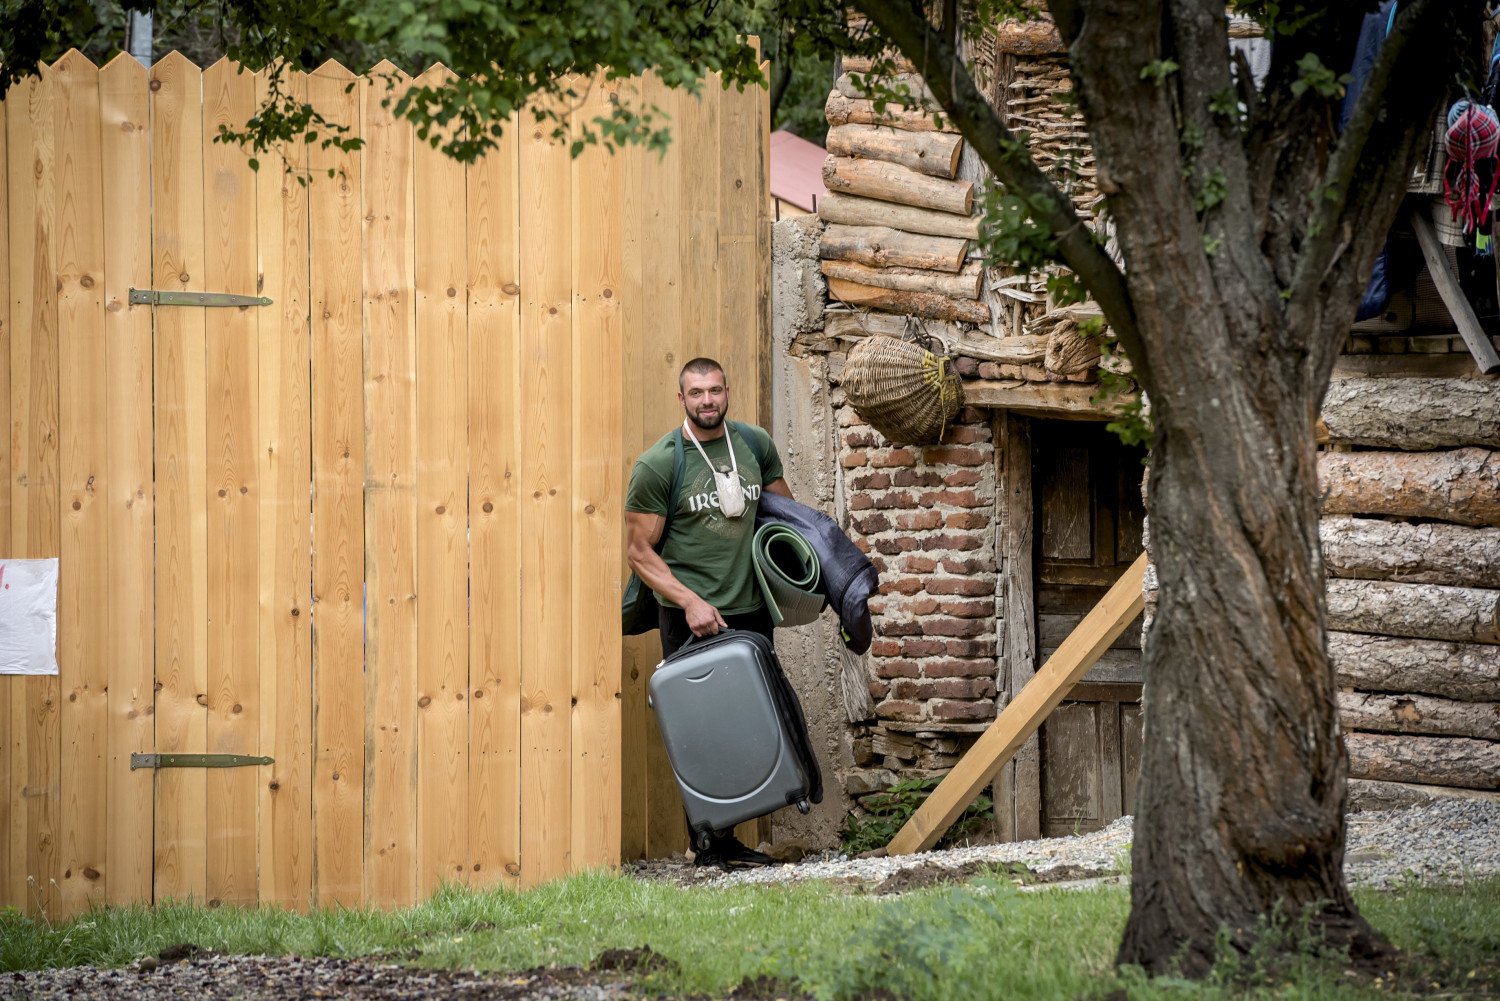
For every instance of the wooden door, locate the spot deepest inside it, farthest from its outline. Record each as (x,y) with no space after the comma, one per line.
(1088,518)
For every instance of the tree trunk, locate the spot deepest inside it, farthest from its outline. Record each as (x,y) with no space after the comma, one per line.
(1439,761)
(1427,553)
(855,211)
(890,248)
(1421,611)
(893,183)
(923,304)
(964,285)
(1419,714)
(843,110)
(932,153)
(1461,486)
(1413,414)
(1469,671)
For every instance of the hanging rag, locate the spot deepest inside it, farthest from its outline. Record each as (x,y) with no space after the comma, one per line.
(1471,141)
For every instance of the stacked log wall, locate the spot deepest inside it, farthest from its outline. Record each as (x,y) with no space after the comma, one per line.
(1411,543)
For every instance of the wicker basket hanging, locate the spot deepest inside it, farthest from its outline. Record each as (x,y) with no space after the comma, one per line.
(903,388)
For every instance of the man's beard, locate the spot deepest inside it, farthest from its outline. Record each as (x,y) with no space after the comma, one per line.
(706,423)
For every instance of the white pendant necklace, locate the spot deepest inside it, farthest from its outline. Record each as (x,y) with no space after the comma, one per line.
(731,492)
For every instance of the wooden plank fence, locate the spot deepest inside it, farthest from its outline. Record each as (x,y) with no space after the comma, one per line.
(372,530)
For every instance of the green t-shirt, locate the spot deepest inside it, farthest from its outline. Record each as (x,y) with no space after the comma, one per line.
(707,552)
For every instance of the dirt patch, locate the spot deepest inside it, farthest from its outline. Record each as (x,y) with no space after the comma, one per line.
(635,962)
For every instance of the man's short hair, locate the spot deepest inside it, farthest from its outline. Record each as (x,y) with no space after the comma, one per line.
(701,366)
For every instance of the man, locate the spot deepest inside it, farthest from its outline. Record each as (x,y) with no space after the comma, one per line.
(703,576)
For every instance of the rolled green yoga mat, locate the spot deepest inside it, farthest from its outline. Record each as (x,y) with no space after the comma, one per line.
(789,574)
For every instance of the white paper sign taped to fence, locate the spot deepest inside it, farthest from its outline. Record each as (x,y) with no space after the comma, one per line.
(28,616)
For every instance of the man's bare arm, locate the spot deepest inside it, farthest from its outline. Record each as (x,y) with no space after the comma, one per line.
(779,486)
(642,532)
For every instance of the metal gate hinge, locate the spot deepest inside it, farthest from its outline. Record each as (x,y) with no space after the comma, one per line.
(158,297)
(196,760)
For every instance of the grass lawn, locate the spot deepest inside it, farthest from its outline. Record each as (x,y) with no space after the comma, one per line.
(985,939)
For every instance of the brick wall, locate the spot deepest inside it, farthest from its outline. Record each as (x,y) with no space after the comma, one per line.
(926,517)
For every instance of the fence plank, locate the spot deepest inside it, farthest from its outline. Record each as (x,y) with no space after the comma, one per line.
(443,515)
(598,410)
(741,209)
(546,407)
(670,343)
(338,511)
(284,386)
(126,216)
(181,611)
(233,484)
(696,126)
(11,893)
(83,594)
(390,500)
(494,462)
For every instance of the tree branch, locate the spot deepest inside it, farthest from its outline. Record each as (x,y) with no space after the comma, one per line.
(1010,163)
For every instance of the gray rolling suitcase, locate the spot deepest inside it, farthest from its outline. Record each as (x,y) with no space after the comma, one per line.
(734,732)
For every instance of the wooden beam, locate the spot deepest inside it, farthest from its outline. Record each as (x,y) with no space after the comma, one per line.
(1453,296)
(1033,704)
(1062,400)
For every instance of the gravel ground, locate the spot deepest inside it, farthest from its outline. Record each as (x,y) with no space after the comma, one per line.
(1450,841)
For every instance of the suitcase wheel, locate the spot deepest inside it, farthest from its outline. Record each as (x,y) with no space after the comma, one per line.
(803,806)
(701,840)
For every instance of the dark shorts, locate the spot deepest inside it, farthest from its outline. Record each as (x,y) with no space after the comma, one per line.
(675,631)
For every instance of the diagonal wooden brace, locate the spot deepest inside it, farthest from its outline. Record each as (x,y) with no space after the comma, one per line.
(1026,712)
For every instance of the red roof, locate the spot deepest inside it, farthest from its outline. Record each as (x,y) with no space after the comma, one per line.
(797,170)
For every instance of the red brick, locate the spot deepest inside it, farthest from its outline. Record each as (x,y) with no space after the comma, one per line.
(849,417)
(895,457)
(897,669)
(876,604)
(912,521)
(896,499)
(921,646)
(966,586)
(909,688)
(958,455)
(870,481)
(859,438)
(879,689)
(917,564)
(902,544)
(883,647)
(916,605)
(962,478)
(972,415)
(968,434)
(955,498)
(904,710)
(853,460)
(863,545)
(962,688)
(953,564)
(967,519)
(957,543)
(955,627)
(861,502)
(989,370)
(901,585)
(982,667)
(917,478)
(972,648)
(968,609)
(901,628)
(878,562)
(870,524)
(946,709)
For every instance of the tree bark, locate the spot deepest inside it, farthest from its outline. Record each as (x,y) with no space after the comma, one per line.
(1413,414)
(852,210)
(1425,553)
(1421,611)
(880,247)
(1439,761)
(843,110)
(923,304)
(1461,486)
(1467,671)
(1419,714)
(1372,794)
(933,153)
(893,183)
(964,285)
